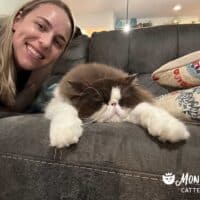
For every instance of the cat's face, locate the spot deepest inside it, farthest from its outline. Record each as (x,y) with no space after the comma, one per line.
(114,110)
(105,100)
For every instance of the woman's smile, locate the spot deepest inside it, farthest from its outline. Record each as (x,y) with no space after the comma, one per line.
(34,53)
(40,37)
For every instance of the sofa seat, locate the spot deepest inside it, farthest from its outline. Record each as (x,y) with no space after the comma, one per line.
(119,153)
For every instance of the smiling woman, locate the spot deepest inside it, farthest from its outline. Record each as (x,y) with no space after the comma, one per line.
(31,41)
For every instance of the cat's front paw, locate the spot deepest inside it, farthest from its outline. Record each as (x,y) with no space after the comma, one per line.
(172,130)
(65,133)
(159,123)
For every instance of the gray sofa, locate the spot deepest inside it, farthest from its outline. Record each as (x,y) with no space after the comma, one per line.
(112,161)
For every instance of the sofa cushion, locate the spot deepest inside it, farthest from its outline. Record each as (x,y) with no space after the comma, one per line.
(184,104)
(75,54)
(183,72)
(110,145)
(110,48)
(152,47)
(115,160)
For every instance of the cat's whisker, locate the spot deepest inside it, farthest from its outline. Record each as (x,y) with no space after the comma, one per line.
(98,115)
(88,121)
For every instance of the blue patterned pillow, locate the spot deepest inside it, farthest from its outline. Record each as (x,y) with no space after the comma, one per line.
(184,104)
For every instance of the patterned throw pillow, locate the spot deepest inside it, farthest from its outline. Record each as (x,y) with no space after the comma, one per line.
(184,104)
(183,72)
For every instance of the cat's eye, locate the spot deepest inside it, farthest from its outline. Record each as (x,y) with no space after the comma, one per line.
(97,99)
(94,95)
(127,97)
(122,102)
(125,91)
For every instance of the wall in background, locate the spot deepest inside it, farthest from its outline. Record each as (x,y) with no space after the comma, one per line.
(169,20)
(8,6)
(95,22)
(100,21)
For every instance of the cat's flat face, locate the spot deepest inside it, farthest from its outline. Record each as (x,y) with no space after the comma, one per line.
(105,100)
(113,110)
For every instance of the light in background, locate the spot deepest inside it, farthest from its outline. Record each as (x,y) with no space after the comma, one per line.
(127,27)
(177,7)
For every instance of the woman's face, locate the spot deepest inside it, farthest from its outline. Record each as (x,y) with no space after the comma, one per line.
(40,37)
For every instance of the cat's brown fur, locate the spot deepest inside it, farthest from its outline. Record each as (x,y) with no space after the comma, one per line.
(101,93)
(85,83)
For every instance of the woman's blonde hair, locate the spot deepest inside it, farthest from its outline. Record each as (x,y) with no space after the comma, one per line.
(7,67)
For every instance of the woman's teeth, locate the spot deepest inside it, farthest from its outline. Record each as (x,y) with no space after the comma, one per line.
(34,52)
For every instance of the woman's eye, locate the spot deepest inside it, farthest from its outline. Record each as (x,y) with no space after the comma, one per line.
(41,27)
(58,43)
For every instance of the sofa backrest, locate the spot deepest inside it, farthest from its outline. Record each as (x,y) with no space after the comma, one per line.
(110,48)
(141,51)
(188,38)
(76,53)
(151,47)
(144,50)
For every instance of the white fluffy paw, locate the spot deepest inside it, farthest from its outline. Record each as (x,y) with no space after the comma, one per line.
(159,123)
(172,130)
(65,132)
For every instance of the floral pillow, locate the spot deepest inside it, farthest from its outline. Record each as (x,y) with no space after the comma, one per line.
(183,72)
(184,104)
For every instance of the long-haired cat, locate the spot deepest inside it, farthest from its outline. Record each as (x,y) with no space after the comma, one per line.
(105,94)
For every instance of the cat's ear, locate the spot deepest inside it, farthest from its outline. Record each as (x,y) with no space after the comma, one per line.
(129,79)
(78,86)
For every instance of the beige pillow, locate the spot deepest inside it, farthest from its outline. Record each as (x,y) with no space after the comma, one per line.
(183,72)
(183,104)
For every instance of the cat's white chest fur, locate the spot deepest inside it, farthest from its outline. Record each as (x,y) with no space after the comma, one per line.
(66,127)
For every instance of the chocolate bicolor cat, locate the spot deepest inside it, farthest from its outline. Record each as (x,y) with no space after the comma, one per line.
(101,93)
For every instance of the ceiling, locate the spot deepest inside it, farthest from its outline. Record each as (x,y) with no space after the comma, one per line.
(137,8)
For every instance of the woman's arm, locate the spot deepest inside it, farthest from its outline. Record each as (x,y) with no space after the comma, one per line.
(23,100)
